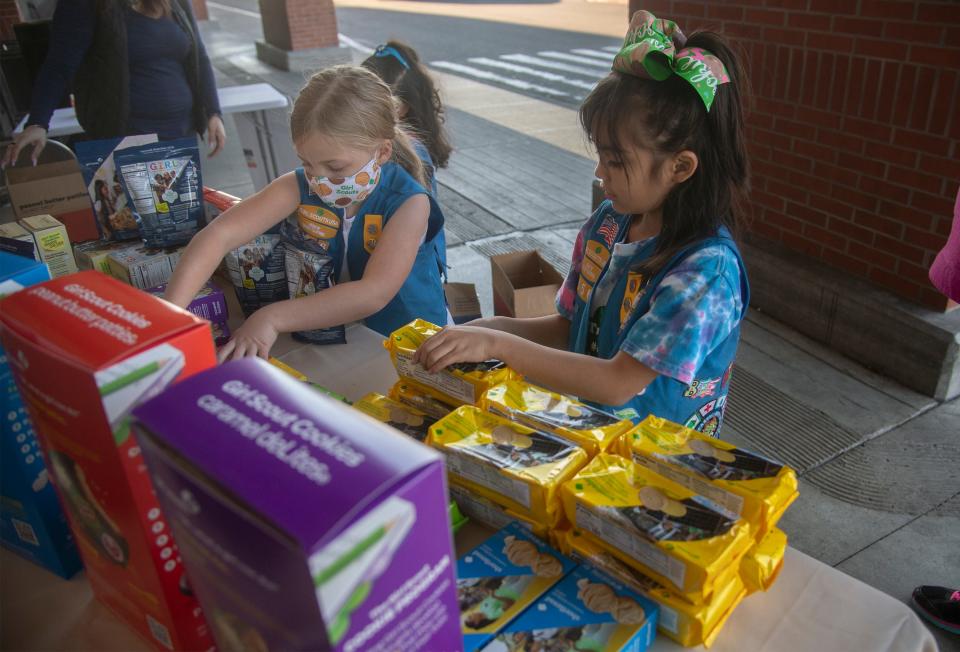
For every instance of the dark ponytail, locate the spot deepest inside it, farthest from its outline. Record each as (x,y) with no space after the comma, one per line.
(669,116)
(415,88)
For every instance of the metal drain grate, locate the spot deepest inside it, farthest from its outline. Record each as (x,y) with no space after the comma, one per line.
(524,242)
(776,424)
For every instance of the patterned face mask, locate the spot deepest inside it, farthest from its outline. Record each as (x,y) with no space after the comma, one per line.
(343,192)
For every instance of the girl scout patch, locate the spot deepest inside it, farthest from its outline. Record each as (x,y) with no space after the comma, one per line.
(317,222)
(630,295)
(372,227)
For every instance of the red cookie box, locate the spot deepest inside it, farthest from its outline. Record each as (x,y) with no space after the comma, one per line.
(85,349)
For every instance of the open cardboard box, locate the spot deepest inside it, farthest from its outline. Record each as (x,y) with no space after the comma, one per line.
(54,186)
(524,284)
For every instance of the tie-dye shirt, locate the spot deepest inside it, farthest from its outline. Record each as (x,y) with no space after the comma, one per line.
(692,311)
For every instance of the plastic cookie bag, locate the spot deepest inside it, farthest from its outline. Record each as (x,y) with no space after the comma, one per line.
(459,384)
(681,539)
(411,394)
(593,430)
(408,420)
(307,274)
(162,182)
(510,464)
(762,563)
(744,483)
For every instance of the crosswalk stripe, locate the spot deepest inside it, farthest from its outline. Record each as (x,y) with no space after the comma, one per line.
(549,76)
(612,48)
(593,53)
(546,63)
(572,57)
(489,76)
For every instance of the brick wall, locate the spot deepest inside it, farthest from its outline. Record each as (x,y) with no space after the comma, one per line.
(854,131)
(299,24)
(9,14)
(200,10)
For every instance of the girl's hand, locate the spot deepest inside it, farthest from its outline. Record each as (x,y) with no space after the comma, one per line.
(216,135)
(33,135)
(254,338)
(459,344)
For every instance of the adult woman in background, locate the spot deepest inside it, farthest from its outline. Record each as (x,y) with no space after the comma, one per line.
(136,67)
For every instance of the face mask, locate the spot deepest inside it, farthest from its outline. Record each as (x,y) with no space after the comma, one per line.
(343,192)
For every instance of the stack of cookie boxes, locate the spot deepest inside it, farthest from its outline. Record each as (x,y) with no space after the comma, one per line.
(686,520)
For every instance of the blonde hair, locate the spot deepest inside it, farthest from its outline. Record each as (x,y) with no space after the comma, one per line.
(355,107)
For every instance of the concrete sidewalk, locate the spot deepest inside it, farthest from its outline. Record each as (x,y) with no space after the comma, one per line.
(880,491)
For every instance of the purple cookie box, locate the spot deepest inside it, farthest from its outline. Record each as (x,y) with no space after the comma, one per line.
(209,304)
(271,489)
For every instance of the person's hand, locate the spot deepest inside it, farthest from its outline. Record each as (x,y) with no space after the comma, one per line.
(216,135)
(458,344)
(34,135)
(254,338)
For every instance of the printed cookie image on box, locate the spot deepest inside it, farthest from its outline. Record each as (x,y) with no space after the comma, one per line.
(588,611)
(500,578)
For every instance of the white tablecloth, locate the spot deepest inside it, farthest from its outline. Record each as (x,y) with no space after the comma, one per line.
(811,608)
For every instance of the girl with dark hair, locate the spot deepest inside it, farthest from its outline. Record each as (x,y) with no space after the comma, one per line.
(419,102)
(657,289)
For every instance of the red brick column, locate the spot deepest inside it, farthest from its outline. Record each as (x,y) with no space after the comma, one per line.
(853,134)
(299,24)
(9,15)
(200,10)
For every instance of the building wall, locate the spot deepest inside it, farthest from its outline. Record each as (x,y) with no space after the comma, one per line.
(854,129)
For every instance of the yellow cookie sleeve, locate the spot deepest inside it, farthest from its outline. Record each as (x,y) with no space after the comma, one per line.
(742,482)
(591,429)
(409,393)
(459,384)
(656,526)
(404,418)
(762,563)
(687,624)
(514,466)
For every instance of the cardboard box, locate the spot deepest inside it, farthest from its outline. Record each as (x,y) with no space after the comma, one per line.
(32,523)
(17,240)
(85,349)
(304,524)
(52,243)
(586,610)
(96,253)
(463,301)
(524,284)
(143,267)
(56,189)
(500,578)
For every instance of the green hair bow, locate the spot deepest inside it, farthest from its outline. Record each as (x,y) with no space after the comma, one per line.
(650,51)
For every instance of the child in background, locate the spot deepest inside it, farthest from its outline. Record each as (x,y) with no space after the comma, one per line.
(420,106)
(649,316)
(359,199)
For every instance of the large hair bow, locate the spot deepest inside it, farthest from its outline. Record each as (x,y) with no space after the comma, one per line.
(653,48)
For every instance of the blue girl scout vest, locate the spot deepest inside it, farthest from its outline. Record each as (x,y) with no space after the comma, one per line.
(699,405)
(315,228)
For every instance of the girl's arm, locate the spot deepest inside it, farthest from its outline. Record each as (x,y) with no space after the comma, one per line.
(609,382)
(550,330)
(388,268)
(236,226)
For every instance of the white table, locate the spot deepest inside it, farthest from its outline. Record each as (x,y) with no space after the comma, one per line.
(255,106)
(811,608)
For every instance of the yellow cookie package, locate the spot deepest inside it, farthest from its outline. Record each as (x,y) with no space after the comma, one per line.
(657,526)
(741,482)
(762,563)
(460,384)
(514,466)
(687,624)
(541,409)
(483,510)
(408,420)
(409,393)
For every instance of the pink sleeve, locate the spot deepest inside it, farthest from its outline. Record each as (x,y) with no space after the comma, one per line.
(567,293)
(945,271)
